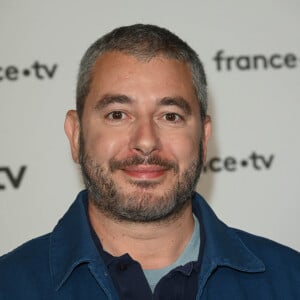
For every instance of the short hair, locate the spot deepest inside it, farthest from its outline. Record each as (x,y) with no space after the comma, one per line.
(144,42)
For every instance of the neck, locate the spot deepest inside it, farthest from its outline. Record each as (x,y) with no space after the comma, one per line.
(154,245)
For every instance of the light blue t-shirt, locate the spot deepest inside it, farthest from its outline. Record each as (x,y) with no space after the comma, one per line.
(190,253)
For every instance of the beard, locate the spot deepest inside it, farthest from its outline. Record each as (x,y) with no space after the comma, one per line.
(141,204)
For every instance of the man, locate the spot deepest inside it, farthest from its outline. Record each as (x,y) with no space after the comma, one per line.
(140,231)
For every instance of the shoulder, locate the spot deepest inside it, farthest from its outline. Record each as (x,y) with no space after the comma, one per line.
(28,266)
(275,256)
(28,253)
(268,251)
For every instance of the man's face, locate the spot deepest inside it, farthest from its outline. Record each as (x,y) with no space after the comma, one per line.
(140,137)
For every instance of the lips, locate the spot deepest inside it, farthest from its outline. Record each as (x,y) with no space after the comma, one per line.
(145,171)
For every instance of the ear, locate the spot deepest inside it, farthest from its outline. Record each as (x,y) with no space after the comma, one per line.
(206,135)
(72,130)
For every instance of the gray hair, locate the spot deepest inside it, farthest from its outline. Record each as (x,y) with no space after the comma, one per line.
(144,42)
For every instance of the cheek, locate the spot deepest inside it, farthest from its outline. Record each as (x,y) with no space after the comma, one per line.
(184,149)
(104,145)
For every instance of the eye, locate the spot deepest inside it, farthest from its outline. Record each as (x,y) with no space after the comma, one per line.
(116,115)
(172,117)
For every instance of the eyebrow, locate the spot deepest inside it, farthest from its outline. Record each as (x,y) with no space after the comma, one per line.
(111,99)
(177,101)
(108,99)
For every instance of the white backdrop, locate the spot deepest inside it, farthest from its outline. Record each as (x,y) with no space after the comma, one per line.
(252,177)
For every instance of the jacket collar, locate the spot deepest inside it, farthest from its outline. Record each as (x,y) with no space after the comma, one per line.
(220,245)
(71,244)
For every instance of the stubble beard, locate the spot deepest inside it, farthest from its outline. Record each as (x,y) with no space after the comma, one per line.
(143,204)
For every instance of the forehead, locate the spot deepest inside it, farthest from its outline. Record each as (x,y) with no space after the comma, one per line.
(120,73)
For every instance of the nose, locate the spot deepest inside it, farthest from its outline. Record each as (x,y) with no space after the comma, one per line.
(145,137)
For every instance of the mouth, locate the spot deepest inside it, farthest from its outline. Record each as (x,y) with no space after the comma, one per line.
(145,172)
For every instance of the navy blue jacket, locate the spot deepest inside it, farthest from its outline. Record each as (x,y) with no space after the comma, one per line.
(65,264)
